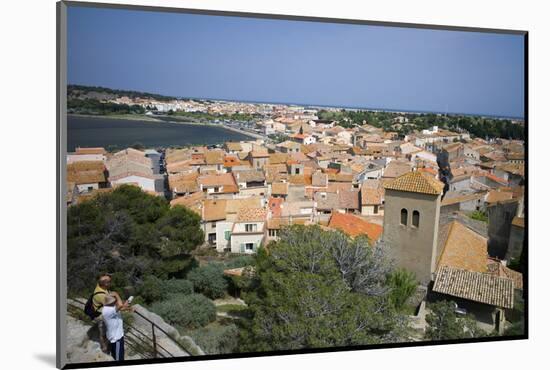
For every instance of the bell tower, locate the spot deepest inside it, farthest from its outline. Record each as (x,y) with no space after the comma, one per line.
(411,222)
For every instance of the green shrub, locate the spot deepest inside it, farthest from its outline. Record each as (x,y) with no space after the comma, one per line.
(119,281)
(188,311)
(231,307)
(151,289)
(443,323)
(177,286)
(403,285)
(240,261)
(479,216)
(154,289)
(209,280)
(216,339)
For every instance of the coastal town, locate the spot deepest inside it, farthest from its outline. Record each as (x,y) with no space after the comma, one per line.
(450,207)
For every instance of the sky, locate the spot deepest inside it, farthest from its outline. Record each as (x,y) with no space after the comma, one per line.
(281,61)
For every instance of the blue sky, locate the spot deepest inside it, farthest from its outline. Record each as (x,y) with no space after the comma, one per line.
(297,62)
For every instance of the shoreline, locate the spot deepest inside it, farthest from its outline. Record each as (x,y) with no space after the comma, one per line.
(149,119)
(128,117)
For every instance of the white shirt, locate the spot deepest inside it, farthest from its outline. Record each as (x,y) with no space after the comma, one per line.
(113,323)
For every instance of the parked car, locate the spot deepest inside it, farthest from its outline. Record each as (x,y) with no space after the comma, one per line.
(459,310)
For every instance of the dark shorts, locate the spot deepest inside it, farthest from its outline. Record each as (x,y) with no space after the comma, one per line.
(117,350)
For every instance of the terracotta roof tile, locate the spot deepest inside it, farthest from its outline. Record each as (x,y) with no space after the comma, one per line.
(464,249)
(86,172)
(475,286)
(319,179)
(231,161)
(416,182)
(278,158)
(371,196)
(355,226)
(462,198)
(192,201)
(279,188)
(396,169)
(214,210)
(233,205)
(348,199)
(495,267)
(495,196)
(251,214)
(98,150)
(183,183)
(259,154)
(249,176)
(274,205)
(212,157)
(225,179)
(236,147)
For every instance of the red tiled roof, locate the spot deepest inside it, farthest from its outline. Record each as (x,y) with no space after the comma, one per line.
(251,214)
(355,226)
(230,161)
(90,150)
(416,182)
(464,249)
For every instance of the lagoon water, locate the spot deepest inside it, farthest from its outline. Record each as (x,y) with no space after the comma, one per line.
(84,131)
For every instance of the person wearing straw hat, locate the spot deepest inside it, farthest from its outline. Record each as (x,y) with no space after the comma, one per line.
(102,289)
(112,317)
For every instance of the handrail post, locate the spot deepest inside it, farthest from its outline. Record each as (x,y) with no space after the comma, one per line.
(154,341)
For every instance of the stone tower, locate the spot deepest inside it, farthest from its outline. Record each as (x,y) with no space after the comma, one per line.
(411,222)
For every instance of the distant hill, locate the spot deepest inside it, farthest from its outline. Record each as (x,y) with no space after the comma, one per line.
(105,93)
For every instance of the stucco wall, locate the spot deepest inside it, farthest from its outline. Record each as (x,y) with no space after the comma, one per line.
(84,188)
(515,244)
(238,239)
(500,224)
(221,228)
(369,211)
(460,185)
(412,248)
(143,182)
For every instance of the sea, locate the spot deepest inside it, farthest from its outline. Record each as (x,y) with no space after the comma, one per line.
(115,133)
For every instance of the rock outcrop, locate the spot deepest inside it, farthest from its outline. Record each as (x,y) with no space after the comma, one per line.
(83,341)
(80,346)
(162,339)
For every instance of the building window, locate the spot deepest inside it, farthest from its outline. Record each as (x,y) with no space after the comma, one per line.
(297,171)
(249,228)
(227,234)
(375,209)
(272,232)
(249,246)
(416,218)
(404,216)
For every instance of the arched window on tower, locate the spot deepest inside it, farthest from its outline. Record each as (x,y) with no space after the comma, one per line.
(404,216)
(416,218)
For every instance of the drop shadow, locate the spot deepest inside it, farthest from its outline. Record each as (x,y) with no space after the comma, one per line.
(47,358)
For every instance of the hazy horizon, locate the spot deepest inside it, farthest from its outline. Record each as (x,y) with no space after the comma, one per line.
(297,62)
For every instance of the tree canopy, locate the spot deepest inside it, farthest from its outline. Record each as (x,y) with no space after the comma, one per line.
(443,323)
(94,106)
(318,288)
(477,126)
(131,233)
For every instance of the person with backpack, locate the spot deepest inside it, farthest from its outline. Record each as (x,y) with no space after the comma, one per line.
(94,307)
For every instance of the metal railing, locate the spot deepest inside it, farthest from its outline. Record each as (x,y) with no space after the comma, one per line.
(140,342)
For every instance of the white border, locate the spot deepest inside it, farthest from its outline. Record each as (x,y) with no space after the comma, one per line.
(28,186)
